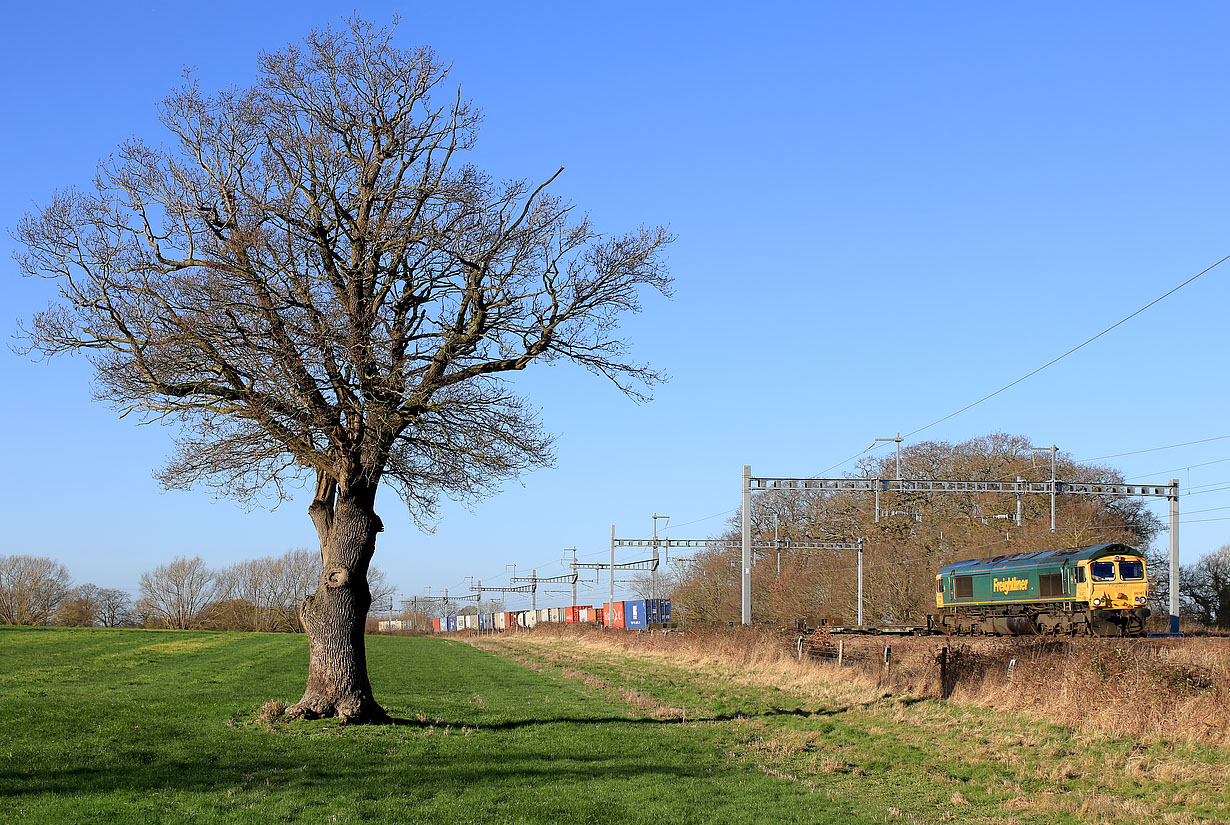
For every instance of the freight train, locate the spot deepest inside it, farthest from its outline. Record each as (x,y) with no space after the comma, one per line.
(1099,590)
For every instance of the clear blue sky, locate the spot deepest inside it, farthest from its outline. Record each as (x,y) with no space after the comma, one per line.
(884,210)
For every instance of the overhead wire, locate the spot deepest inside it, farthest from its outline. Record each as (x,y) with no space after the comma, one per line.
(1156,449)
(1053,361)
(1176,469)
(1079,346)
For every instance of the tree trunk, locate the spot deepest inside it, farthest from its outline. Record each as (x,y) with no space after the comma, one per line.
(335,615)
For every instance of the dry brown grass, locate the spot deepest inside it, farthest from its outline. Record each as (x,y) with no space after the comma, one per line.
(271,711)
(1151,689)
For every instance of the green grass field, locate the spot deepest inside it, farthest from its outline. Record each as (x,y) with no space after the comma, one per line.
(160,726)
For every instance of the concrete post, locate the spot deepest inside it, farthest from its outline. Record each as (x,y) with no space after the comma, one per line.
(611,602)
(860,583)
(1174,557)
(1018,502)
(747,546)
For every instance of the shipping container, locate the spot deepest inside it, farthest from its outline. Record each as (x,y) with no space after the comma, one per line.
(510,620)
(544,615)
(452,624)
(573,614)
(482,621)
(555,614)
(634,615)
(615,613)
(500,622)
(528,618)
(658,611)
(435,625)
(472,621)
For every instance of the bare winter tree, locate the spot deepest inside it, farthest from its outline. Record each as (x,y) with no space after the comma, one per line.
(32,589)
(174,594)
(1205,588)
(114,608)
(312,282)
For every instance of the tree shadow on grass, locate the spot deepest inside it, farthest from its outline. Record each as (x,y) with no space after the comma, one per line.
(457,757)
(314,768)
(681,719)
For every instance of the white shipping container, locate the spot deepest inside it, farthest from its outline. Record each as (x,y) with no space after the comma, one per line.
(501,620)
(555,614)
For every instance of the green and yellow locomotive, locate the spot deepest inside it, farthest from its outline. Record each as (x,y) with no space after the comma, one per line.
(1098,590)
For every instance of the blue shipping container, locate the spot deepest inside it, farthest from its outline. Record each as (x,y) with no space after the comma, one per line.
(658,611)
(634,615)
(482,621)
(452,623)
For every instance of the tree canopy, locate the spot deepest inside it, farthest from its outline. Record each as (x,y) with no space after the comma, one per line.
(310,277)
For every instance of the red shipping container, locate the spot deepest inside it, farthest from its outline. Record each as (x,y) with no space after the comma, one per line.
(616,612)
(570,614)
(510,620)
(600,616)
(435,625)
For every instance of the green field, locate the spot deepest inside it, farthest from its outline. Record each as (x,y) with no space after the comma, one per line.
(160,726)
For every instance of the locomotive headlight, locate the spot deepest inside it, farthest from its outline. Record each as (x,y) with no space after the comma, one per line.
(1097,602)
(1140,599)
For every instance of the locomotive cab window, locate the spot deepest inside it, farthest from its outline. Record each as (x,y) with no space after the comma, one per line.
(1080,575)
(965,587)
(939,585)
(1132,570)
(1103,571)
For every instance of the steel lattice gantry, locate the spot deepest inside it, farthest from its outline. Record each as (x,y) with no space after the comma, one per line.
(751,484)
(534,579)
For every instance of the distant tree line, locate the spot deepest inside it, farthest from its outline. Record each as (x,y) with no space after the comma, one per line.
(259,595)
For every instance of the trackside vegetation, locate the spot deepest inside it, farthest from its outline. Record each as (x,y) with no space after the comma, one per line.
(104,725)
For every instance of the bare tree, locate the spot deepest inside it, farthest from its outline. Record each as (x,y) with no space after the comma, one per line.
(312,283)
(295,574)
(175,594)
(32,588)
(114,608)
(1205,588)
(382,589)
